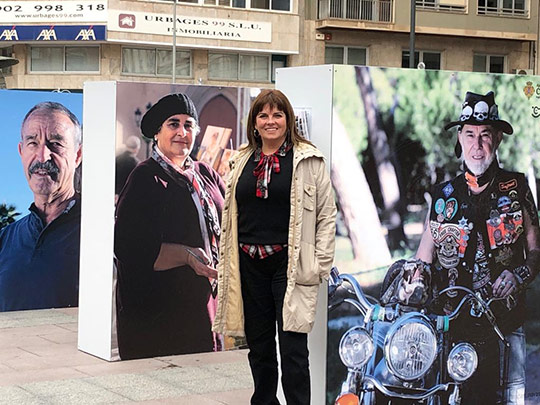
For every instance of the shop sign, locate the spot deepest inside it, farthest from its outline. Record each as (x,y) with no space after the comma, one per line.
(24,12)
(189,26)
(51,33)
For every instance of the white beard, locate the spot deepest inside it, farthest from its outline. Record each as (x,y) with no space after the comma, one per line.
(479,168)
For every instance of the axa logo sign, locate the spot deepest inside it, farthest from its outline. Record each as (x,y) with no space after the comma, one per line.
(47,35)
(86,35)
(126,21)
(9,35)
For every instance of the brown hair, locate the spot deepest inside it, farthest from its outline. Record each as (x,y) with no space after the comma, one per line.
(274,99)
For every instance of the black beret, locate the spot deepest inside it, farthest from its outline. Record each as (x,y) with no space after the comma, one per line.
(168,106)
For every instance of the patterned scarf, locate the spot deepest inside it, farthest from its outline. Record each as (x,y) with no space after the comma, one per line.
(266,165)
(482,179)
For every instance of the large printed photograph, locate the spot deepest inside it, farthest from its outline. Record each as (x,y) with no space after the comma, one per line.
(173,149)
(438,245)
(40,161)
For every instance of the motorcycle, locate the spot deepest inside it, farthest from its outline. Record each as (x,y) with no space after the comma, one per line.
(398,355)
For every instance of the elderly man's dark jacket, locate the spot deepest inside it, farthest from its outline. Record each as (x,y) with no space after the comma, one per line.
(477,237)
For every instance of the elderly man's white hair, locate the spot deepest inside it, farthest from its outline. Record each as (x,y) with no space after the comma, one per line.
(133,143)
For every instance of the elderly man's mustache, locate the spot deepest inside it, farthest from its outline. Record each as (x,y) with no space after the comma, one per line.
(49,167)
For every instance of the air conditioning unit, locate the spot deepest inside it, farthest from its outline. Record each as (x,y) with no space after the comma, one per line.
(523,72)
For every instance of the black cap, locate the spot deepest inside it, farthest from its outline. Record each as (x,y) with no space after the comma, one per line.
(166,107)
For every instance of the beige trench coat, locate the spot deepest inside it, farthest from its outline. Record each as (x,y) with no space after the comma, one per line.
(311,244)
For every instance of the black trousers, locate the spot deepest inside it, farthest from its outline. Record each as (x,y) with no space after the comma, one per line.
(263,288)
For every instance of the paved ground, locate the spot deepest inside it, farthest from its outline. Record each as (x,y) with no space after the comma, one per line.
(40,364)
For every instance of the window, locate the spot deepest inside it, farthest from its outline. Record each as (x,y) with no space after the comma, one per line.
(278,61)
(345,55)
(442,5)
(488,63)
(230,66)
(432,60)
(503,7)
(64,59)
(279,5)
(155,62)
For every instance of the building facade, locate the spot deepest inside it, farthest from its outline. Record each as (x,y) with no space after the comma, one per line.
(62,44)
(498,36)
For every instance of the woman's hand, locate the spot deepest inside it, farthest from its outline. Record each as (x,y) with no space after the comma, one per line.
(173,255)
(200,263)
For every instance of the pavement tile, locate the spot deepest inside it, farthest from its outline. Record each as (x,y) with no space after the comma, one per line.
(19,319)
(62,337)
(61,387)
(29,376)
(71,326)
(17,395)
(195,399)
(215,384)
(149,389)
(178,374)
(123,380)
(207,358)
(22,341)
(98,397)
(40,364)
(229,369)
(107,368)
(237,397)
(30,330)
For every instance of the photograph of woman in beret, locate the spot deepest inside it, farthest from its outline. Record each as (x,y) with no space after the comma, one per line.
(167,233)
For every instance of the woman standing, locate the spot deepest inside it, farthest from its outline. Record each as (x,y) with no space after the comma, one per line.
(167,233)
(277,246)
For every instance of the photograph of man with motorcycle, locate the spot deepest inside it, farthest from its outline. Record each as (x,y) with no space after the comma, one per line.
(448,324)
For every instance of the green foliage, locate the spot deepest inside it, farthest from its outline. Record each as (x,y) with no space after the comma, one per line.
(350,108)
(415,105)
(426,100)
(7,215)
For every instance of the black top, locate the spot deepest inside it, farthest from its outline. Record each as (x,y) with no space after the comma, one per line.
(160,312)
(265,221)
(39,264)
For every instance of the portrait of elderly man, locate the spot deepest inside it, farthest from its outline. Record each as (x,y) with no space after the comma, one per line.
(39,253)
(482,233)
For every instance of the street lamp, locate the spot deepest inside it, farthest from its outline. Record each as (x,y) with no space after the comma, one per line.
(411,35)
(174,44)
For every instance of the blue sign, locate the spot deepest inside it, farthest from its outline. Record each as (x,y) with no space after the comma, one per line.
(51,33)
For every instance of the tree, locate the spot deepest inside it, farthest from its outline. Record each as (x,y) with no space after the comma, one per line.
(382,154)
(7,215)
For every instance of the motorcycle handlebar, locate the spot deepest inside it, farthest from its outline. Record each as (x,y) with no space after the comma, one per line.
(336,280)
(485,307)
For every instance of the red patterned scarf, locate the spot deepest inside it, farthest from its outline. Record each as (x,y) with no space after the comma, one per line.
(266,165)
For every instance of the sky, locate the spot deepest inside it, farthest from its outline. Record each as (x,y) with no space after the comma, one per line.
(14,104)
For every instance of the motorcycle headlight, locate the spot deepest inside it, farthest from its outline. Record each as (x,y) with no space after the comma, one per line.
(462,362)
(410,348)
(355,347)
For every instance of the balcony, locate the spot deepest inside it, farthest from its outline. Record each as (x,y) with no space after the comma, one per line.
(358,10)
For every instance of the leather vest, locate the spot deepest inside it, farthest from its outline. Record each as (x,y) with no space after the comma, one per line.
(477,237)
